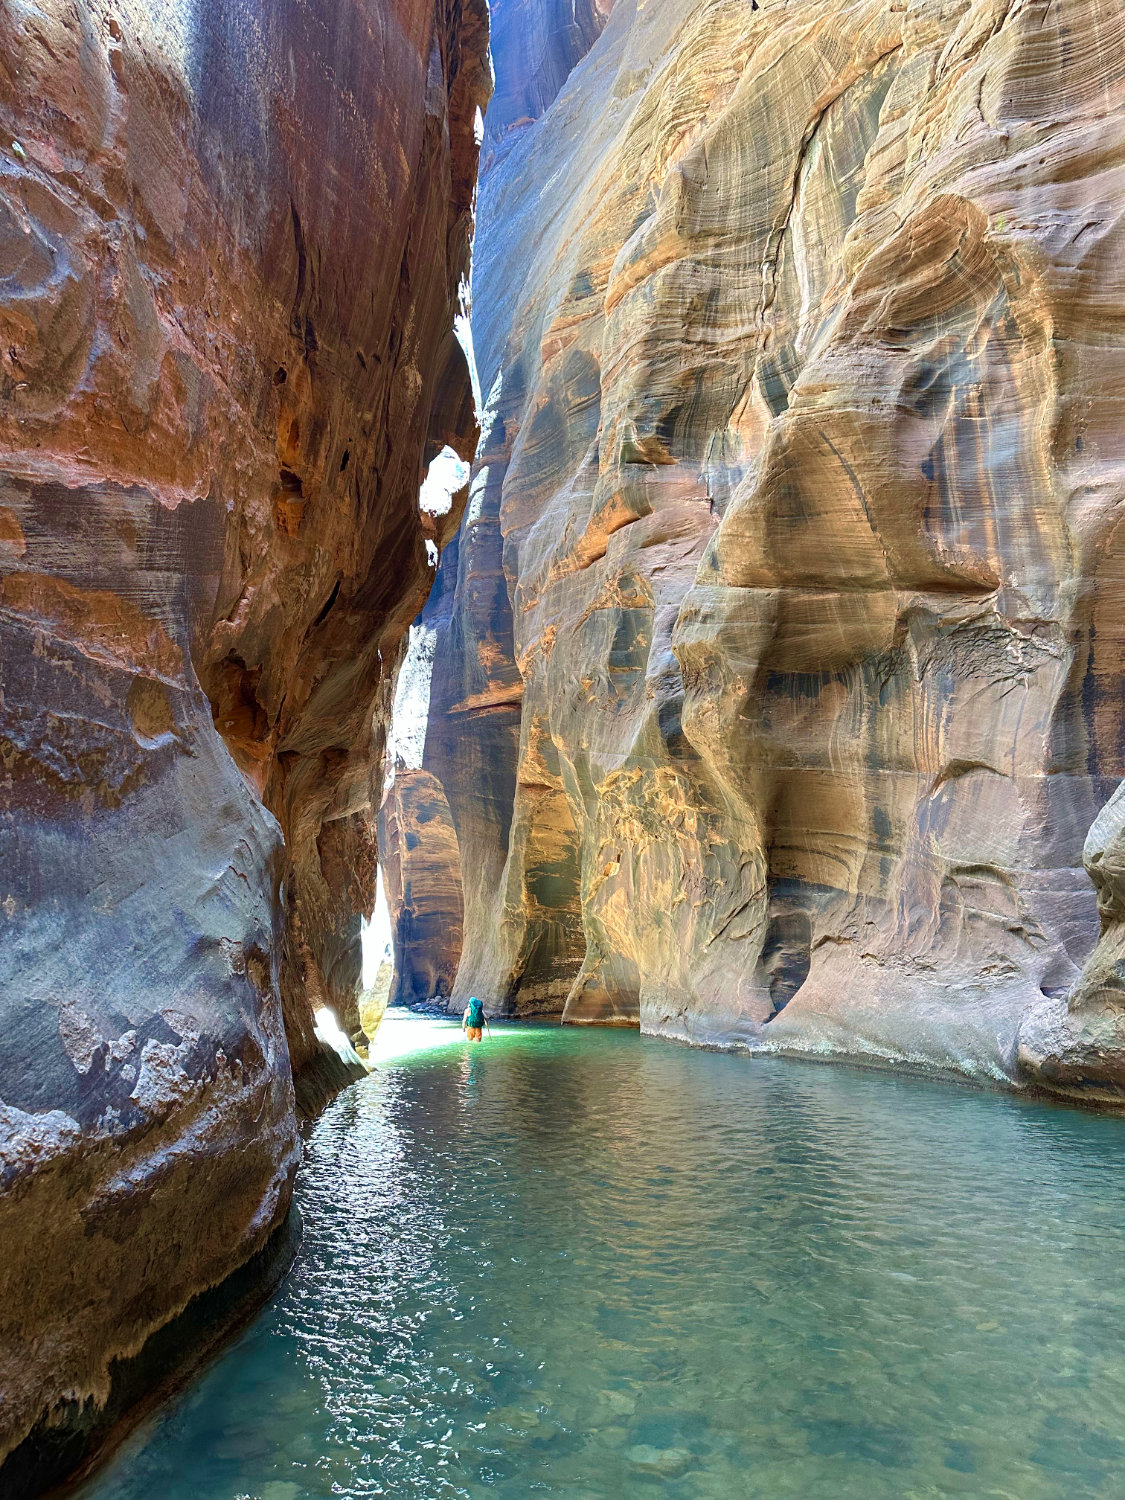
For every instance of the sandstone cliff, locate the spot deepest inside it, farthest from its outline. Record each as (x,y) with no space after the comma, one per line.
(782,674)
(446,820)
(234,237)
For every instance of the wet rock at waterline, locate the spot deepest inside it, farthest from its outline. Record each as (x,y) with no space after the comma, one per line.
(782,681)
(234,239)
(1077,1044)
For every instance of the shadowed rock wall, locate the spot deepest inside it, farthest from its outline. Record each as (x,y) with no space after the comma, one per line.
(233,237)
(791,555)
(536,44)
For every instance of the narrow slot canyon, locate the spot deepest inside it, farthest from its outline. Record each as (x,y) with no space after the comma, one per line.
(606,509)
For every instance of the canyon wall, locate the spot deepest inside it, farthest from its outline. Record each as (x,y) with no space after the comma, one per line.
(235,239)
(451,784)
(779,674)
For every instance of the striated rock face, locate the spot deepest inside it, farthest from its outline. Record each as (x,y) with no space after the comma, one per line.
(535,44)
(233,237)
(783,670)
(452,785)
(418,828)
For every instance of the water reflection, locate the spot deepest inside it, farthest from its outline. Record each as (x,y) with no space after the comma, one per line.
(587,1265)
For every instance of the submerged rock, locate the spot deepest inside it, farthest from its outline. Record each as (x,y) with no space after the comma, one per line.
(665,1461)
(233,242)
(778,677)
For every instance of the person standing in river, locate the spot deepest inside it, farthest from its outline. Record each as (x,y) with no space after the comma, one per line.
(474,1020)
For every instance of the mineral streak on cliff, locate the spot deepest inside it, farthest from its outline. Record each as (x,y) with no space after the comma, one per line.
(536,43)
(783,671)
(234,238)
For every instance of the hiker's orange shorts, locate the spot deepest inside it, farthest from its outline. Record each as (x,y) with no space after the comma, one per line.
(474,1033)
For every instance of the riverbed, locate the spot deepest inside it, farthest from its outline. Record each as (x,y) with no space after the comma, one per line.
(591,1265)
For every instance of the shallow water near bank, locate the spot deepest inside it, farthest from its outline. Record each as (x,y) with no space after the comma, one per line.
(590,1265)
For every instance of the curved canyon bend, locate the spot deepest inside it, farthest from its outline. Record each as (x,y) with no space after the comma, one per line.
(609,507)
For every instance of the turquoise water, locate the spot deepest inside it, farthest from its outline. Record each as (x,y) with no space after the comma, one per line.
(589,1265)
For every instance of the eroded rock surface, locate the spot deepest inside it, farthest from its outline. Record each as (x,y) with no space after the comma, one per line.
(233,241)
(786,620)
(536,44)
(1076,1045)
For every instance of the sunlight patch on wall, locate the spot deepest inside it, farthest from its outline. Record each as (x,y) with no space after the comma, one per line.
(167,27)
(327,1030)
(375,936)
(491,410)
(463,333)
(406,737)
(476,496)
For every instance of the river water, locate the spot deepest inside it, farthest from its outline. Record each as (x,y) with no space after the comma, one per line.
(589,1265)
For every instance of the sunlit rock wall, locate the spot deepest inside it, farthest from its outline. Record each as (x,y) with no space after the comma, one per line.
(233,236)
(792,549)
(417,836)
(449,805)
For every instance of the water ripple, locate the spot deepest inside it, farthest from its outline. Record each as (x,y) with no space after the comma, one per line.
(586,1265)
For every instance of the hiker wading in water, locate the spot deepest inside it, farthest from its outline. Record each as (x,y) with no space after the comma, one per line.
(474,1020)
